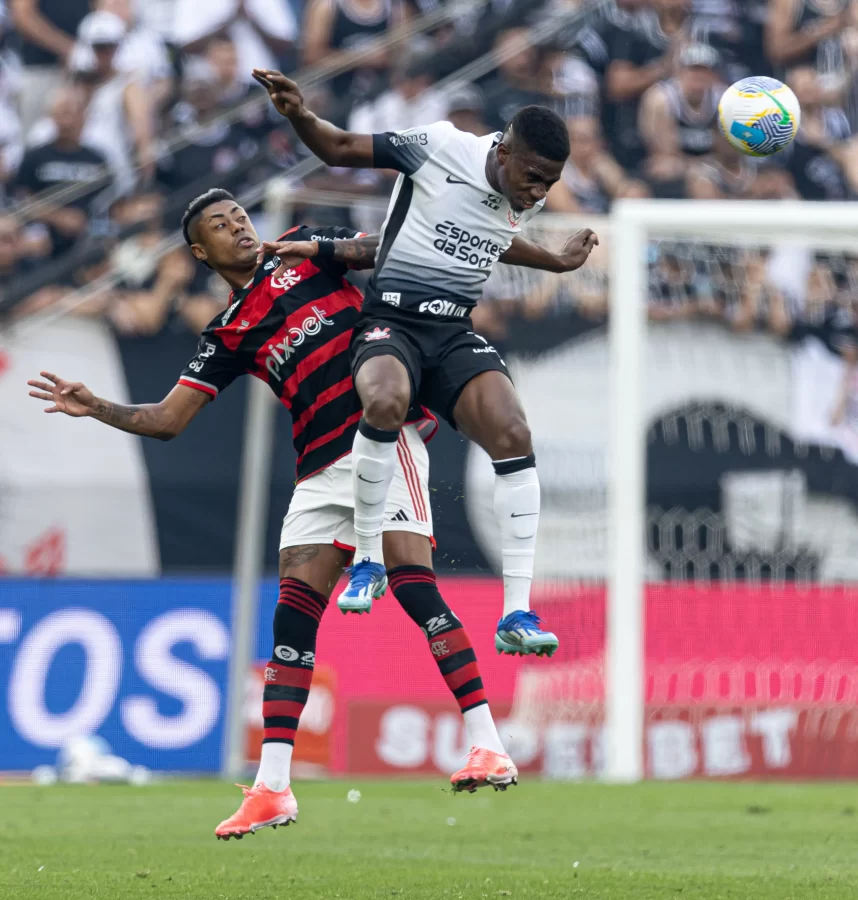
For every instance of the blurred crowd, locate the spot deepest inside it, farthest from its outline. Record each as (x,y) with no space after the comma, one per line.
(114,113)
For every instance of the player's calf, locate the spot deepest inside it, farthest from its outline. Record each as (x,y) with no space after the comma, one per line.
(417,592)
(288,677)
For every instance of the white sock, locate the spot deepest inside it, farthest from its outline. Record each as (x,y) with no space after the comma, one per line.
(481,729)
(373,465)
(275,766)
(516,504)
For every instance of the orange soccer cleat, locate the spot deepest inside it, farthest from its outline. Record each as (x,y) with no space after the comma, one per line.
(484,768)
(259,809)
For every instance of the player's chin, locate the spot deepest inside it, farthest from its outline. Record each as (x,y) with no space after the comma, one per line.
(246,254)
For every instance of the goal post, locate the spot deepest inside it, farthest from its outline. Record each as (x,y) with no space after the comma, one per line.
(633,225)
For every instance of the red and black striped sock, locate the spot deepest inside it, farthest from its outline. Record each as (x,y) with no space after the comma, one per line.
(290,671)
(417,592)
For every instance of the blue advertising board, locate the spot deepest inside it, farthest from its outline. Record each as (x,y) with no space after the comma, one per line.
(142,664)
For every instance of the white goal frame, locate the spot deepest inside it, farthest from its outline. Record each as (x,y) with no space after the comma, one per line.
(633,224)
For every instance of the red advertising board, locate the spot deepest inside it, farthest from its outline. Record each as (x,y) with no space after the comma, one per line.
(741,681)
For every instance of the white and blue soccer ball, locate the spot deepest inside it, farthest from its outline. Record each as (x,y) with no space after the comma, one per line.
(759,116)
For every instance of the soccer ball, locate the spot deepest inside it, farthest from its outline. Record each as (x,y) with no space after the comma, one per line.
(759,116)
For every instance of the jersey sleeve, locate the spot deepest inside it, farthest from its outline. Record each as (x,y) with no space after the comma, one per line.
(406,151)
(213,368)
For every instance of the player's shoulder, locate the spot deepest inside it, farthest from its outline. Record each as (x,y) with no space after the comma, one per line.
(220,321)
(319,233)
(464,147)
(295,233)
(441,130)
(429,137)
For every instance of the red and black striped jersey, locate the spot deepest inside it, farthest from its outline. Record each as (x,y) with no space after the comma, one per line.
(292,329)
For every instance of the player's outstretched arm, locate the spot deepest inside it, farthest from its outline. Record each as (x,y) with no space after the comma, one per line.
(164,420)
(332,145)
(533,256)
(355,253)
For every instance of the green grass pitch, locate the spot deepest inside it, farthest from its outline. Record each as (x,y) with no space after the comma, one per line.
(412,840)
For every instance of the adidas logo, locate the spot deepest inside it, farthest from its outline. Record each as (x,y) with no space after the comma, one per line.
(400,517)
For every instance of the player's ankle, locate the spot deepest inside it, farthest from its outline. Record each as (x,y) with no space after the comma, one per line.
(369,547)
(276,785)
(516,593)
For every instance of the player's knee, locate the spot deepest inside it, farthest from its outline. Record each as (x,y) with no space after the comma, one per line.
(513,440)
(386,408)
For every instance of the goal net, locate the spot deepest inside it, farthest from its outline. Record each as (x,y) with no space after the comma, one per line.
(696,427)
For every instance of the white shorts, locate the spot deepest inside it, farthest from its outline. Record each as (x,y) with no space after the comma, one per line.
(322,507)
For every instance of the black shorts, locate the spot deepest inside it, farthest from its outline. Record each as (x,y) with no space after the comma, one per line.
(441,354)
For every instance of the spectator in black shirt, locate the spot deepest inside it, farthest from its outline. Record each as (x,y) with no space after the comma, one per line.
(823,159)
(597,44)
(47,29)
(11,261)
(18,267)
(641,57)
(209,146)
(222,55)
(798,32)
(676,119)
(516,83)
(65,163)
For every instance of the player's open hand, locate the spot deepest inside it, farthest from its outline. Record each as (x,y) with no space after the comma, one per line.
(284,93)
(578,249)
(69,397)
(291,253)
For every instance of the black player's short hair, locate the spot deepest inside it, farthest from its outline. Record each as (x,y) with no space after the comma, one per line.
(542,131)
(198,205)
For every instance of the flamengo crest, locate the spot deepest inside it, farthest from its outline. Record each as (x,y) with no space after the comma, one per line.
(286,280)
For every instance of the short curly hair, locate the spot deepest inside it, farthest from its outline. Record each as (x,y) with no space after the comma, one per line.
(542,131)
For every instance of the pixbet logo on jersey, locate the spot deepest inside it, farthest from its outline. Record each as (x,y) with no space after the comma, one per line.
(294,337)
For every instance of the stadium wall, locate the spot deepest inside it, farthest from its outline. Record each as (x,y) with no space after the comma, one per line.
(741,681)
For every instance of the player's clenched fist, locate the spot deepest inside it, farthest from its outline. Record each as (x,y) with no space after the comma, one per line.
(578,248)
(284,93)
(72,398)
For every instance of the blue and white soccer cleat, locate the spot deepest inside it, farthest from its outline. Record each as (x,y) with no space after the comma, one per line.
(519,634)
(367,582)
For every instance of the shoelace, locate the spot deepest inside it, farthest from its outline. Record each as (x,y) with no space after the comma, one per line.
(479,756)
(526,621)
(244,788)
(361,574)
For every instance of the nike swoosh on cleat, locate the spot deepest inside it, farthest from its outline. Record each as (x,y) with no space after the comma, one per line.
(361,478)
(451,180)
(514,515)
